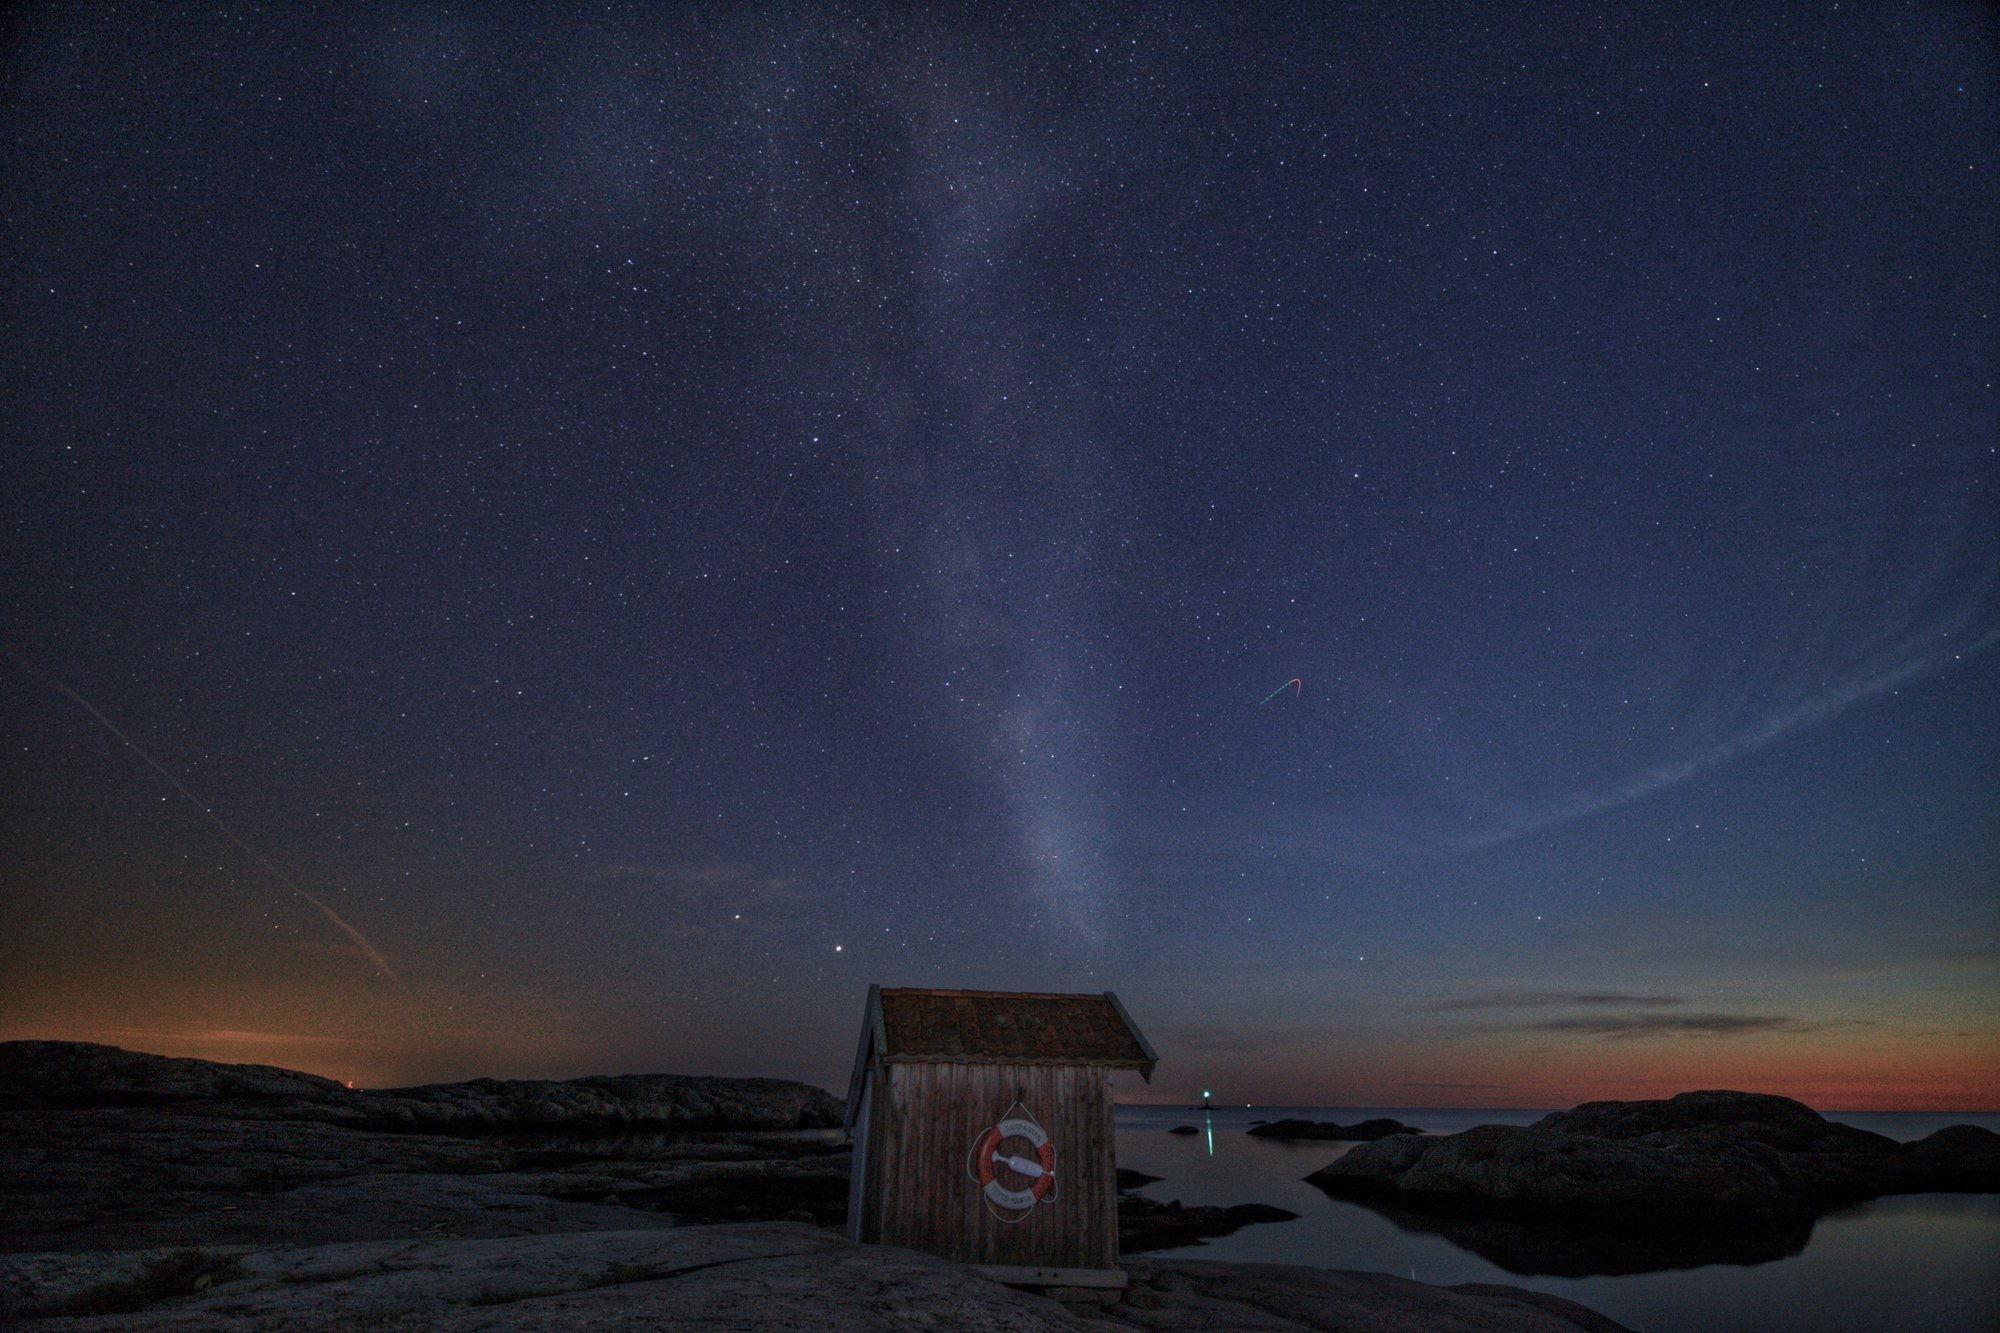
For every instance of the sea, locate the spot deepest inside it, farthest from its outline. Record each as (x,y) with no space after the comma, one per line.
(1910,1262)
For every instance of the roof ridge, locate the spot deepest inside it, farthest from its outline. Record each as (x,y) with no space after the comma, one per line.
(925,1024)
(999,994)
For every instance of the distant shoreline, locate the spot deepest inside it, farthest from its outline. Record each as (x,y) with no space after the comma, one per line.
(1379,1108)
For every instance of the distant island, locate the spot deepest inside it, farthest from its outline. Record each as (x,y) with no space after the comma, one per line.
(1326,1130)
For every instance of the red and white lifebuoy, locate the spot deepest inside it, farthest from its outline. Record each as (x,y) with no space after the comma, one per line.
(990,1166)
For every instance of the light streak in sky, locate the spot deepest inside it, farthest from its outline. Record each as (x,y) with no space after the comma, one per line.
(280,876)
(1295,685)
(1882,675)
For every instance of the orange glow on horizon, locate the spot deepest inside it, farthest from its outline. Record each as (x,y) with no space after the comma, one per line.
(1941,1073)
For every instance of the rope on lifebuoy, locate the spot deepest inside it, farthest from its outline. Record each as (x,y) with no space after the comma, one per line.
(1040,1171)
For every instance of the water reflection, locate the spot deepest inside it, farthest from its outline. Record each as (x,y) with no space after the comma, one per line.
(1556,1249)
(1907,1261)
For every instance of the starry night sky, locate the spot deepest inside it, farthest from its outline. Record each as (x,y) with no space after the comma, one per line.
(659,519)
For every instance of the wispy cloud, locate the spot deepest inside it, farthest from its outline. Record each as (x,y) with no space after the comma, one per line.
(701,898)
(1959,633)
(1628,1026)
(706,875)
(234,1037)
(697,883)
(1948,961)
(1622,1015)
(1412,1083)
(1557,1000)
(1234,1041)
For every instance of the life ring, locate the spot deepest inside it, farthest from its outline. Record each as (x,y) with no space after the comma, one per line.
(1041,1170)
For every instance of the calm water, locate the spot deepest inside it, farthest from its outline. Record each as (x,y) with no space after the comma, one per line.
(1907,1262)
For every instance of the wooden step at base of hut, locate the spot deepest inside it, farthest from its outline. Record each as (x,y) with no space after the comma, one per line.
(1100,1286)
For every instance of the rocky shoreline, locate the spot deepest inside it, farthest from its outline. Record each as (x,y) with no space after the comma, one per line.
(1720,1165)
(142,1192)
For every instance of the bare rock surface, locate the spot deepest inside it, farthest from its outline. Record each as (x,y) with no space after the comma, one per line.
(1146,1224)
(109,1177)
(665,1101)
(1196,1294)
(759,1276)
(105,1148)
(138,1177)
(771,1275)
(142,1192)
(1718,1159)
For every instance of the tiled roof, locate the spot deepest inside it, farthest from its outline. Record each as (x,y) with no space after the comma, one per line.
(1010,1028)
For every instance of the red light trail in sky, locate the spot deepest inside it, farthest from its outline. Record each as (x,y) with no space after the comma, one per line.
(1295,685)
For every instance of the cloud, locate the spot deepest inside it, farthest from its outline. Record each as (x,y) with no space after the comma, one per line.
(1601,1016)
(1957,634)
(1627,1026)
(695,876)
(236,1037)
(701,899)
(1557,999)
(1412,1083)
(1230,1041)
(1950,961)
(700,884)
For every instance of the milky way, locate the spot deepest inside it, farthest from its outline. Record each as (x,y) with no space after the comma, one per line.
(660,520)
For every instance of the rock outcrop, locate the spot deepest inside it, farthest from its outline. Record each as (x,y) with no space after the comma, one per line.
(60,1074)
(130,1178)
(142,1192)
(1363,1132)
(1730,1117)
(1145,1225)
(101,1147)
(80,1074)
(611,1102)
(762,1275)
(1730,1159)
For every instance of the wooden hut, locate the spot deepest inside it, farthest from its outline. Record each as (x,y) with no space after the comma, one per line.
(981,1124)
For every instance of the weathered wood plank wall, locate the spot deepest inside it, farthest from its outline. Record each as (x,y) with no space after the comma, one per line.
(924,1123)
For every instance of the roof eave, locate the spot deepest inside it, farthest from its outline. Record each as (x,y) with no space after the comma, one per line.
(1145,1067)
(864,1051)
(1152,1059)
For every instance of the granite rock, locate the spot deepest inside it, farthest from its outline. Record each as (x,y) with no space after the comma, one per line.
(58,1074)
(1729,1159)
(774,1276)
(80,1074)
(1146,1224)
